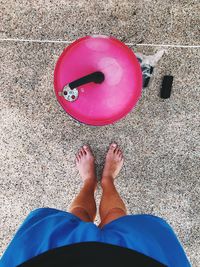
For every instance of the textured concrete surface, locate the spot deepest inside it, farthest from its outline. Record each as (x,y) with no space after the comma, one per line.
(160,138)
(131,20)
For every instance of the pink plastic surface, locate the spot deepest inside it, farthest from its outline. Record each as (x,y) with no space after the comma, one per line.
(105,103)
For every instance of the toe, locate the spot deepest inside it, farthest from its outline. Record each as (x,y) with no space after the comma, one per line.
(113,147)
(77,156)
(80,153)
(120,154)
(88,152)
(83,151)
(87,149)
(77,160)
(120,151)
(117,151)
(121,157)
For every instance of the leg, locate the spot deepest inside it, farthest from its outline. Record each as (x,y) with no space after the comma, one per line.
(84,205)
(112,206)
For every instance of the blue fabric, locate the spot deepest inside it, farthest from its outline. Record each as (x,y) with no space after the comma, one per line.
(47,228)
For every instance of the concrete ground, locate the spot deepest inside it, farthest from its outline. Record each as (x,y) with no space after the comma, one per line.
(160,138)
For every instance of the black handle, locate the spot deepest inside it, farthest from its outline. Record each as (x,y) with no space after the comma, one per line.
(96,77)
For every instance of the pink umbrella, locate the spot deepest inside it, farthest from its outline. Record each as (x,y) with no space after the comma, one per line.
(97,80)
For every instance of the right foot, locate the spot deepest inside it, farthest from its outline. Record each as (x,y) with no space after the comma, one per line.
(113,164)
(85,163)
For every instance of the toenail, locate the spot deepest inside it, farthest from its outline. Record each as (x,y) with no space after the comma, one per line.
(114,145)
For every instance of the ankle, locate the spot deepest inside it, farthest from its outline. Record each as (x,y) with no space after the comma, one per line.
(107,181)
(90,182)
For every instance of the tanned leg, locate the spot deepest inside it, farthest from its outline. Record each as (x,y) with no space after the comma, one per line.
(84,205)
(112,206)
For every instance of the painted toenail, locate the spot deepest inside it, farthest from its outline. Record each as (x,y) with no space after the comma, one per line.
(114,145)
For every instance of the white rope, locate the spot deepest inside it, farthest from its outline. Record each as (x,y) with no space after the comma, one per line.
(167,45)
(69,42)
(34,40)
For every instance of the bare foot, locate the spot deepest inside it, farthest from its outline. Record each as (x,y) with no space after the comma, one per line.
(85,164)
(113,164)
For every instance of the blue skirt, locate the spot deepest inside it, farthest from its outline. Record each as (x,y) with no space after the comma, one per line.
(46,228)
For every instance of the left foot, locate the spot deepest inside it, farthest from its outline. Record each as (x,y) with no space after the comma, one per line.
(113,164)
(85,163)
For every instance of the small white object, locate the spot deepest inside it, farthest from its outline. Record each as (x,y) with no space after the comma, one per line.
(70,94)
(151,59)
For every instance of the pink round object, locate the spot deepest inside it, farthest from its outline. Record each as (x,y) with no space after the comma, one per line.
(109,101)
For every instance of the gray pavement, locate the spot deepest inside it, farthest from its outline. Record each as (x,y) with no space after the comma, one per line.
(160,138)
